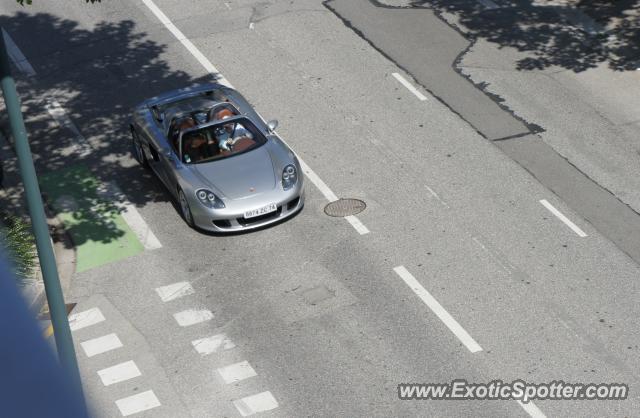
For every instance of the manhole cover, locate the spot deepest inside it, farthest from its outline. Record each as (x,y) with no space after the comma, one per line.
(345,207)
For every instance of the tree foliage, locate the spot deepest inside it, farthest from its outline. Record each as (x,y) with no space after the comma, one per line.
(17,243)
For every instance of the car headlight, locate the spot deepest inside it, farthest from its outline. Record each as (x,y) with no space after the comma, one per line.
(209,199)
(289,176)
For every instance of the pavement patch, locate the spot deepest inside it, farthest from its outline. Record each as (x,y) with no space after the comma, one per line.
(97,228)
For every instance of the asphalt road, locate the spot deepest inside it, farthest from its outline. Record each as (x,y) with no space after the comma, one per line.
(327,325)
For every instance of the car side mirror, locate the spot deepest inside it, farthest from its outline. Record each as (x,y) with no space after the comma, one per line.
(272,125)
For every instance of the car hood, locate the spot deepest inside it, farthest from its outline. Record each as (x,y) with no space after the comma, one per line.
(241,176)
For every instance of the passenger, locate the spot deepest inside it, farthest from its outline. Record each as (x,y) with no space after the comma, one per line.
(195,147)
(180,125)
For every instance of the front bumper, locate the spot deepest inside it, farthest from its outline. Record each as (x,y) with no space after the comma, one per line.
(230,220)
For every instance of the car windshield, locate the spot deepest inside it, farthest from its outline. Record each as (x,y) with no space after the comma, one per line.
(222,140)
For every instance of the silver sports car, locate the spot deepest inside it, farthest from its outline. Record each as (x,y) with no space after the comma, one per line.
(225,166)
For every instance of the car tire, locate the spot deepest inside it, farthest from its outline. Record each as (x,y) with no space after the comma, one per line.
(185,210)
(136,149)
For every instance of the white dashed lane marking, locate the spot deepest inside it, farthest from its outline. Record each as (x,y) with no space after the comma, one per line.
(174,291)
(192,317)
(101,345)
(253,404)
(186,42)
(563,218)
(85,319)
(119,373)
(212,344)
(137,403)
(237,372)
(211,69)
(409,87)
(437,309)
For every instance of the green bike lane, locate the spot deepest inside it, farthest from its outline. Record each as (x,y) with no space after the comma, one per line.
(95,222)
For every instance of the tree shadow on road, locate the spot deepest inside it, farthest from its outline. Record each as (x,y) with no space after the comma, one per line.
(97,75)
(571,34)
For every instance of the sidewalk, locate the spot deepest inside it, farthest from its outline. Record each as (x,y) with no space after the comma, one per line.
(569,67)
(12,201)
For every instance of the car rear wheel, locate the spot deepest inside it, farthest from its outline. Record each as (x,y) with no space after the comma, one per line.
(138,152)
(184,208)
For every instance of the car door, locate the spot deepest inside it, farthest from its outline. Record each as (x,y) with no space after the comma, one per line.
(162,159)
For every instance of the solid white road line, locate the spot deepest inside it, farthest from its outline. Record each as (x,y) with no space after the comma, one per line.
(101,345)
(563,218)
(137,403)
(532,410)
(359,226)
(440,312)
(85,318)
(236,372)
(488,4)
(212,344)
(18,58)
(211,69)
(409,87)
(119,373)
(174,291)
(192,317)
(330,196)
(253,404)
(60,116)
(139,227)
(317,181)
(111,192)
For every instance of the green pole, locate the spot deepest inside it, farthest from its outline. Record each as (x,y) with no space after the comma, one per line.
(57,309)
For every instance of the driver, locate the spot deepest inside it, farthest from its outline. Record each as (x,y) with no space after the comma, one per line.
(223,137)
(230,133)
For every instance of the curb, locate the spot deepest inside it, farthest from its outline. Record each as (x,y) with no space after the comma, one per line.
(65,255)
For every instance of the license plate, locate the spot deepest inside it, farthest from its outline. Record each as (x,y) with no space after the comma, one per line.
(261,211)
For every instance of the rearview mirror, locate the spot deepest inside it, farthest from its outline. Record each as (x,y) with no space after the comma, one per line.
(272,125)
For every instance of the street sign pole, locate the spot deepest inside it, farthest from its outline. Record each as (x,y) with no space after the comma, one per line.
(55,299)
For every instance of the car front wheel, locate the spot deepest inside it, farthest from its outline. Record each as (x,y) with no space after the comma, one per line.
(138,152)
(184,208)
